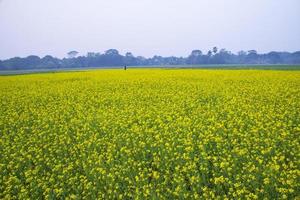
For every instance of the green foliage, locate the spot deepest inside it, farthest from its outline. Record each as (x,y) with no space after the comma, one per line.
(112,58)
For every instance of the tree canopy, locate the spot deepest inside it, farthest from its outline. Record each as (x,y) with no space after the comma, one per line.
(112,57)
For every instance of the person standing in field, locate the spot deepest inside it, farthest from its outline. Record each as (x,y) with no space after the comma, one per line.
(125,67)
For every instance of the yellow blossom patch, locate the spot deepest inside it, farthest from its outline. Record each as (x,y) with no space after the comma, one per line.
(150,134)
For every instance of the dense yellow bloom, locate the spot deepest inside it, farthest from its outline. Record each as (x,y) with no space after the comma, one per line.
(154,134)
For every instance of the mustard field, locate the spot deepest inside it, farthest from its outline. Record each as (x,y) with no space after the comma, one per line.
(150,134)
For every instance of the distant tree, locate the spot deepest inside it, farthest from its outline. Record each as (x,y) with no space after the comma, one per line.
(141,60)
(252,57)
(129,59)
(252,52)
(241,56)
(215,50)
(14,63)
(224,51)
(32,58)
(91,54)
(209,53)
(196,53)
(112,52)
(208,57)
(156,60)
(273,57)
(195,57)
(169,60)
(129,55)
(32,61)
(72,54)
(294,58)
(242,53)
(223,57)
(50,62)
(92,59)
(112,57)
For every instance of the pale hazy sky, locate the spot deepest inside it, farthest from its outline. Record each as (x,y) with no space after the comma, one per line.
(147,27)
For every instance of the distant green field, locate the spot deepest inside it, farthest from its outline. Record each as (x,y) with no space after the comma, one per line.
(230,67)
(238,66)
(151,134)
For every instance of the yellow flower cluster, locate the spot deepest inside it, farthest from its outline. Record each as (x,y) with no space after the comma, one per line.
(150,134)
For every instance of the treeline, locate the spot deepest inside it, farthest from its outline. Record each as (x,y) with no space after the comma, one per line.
(112,57)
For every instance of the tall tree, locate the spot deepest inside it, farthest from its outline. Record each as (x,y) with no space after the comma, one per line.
(112,52)
(72,54)
(215,50)
(195,57)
